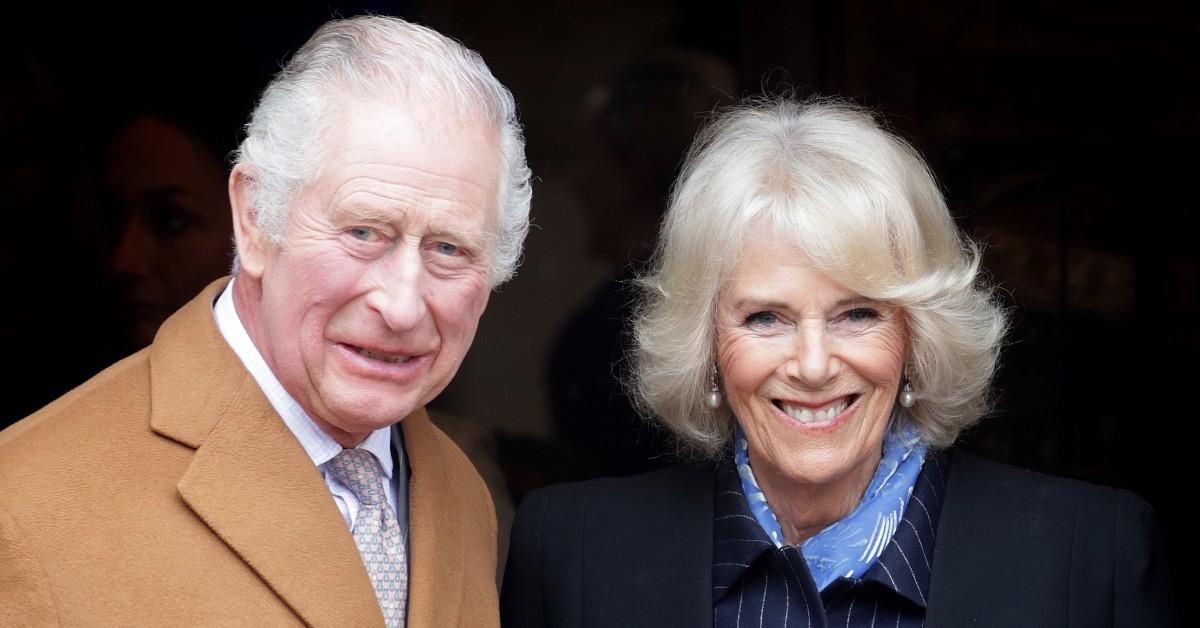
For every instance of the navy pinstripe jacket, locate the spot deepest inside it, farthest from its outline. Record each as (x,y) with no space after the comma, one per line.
(1013,548)
(755,584)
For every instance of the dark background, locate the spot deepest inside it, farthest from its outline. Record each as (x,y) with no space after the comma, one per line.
(1063,133)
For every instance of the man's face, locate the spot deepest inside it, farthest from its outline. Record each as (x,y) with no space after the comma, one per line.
(372,300)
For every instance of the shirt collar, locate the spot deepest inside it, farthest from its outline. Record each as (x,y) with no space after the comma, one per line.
(319,446)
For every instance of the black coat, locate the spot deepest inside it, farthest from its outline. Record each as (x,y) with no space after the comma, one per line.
(1013,548)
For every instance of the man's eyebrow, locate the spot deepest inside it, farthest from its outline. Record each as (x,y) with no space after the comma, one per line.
(361,213)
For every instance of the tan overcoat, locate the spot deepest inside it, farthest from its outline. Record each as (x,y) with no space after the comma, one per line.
(165,491)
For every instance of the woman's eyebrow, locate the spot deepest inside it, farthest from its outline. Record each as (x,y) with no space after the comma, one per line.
(857,301)
(766,303)
(775,304)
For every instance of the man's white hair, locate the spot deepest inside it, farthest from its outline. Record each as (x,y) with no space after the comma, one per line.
(381,60)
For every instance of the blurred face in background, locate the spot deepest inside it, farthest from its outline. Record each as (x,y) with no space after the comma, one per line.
(168,196)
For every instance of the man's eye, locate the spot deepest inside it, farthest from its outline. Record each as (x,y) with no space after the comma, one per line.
(445,248)
(762,319)
(362,233)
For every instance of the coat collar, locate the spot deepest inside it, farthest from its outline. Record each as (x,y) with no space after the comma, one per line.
(255,487)
(903,567)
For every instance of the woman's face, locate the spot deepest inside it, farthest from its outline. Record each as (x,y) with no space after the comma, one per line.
(168,194)
(810,370)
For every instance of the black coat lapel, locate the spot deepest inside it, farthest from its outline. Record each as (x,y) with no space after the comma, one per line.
(1001,538)
(647,551)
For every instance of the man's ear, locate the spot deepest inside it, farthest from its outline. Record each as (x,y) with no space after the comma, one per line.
(252,243)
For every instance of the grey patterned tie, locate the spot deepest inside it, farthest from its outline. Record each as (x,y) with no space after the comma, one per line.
(376,532)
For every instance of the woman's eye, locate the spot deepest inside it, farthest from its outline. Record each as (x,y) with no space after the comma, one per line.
(445,248)
(168,220)
(762,319)
(861,314)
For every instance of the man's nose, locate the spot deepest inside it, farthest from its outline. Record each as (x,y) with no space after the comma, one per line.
(811,362)
(398,288)
(133,255)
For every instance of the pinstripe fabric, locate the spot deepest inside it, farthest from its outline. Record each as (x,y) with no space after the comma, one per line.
(847,548)
(755,584)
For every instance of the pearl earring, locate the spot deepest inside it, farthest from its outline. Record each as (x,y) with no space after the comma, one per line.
(713,398)
(907,398)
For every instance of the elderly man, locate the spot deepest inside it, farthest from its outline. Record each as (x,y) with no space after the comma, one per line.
(244,469)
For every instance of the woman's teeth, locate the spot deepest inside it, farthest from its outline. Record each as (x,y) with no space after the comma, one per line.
(821,415)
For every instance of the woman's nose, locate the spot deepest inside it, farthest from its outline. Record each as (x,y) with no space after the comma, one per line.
(811,362)
(132,255)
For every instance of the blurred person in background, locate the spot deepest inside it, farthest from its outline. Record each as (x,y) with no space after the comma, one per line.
(637,125)
(165,176)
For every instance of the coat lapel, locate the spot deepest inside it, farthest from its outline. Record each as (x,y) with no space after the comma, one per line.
(250,481)
(436,550)
(647,552)
(995,521)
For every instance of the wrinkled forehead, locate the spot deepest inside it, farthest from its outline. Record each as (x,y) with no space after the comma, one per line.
(439,107)
(452,157)
(436,124)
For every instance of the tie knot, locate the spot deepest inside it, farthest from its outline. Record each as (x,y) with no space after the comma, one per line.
(359,472)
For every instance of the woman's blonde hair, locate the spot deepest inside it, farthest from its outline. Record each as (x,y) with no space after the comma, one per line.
(863,207)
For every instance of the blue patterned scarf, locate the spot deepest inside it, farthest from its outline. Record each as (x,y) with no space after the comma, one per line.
(848,547)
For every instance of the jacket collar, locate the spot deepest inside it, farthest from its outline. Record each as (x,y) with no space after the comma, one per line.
(249,480)
(904,567)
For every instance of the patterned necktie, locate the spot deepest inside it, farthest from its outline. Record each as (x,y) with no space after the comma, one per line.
(376,532)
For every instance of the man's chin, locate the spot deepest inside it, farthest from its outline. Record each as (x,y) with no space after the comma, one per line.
(354,425)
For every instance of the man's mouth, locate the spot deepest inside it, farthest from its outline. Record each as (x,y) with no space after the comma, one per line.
(393,358)
(823,414)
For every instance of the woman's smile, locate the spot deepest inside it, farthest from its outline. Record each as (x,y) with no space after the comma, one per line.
(816,415)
